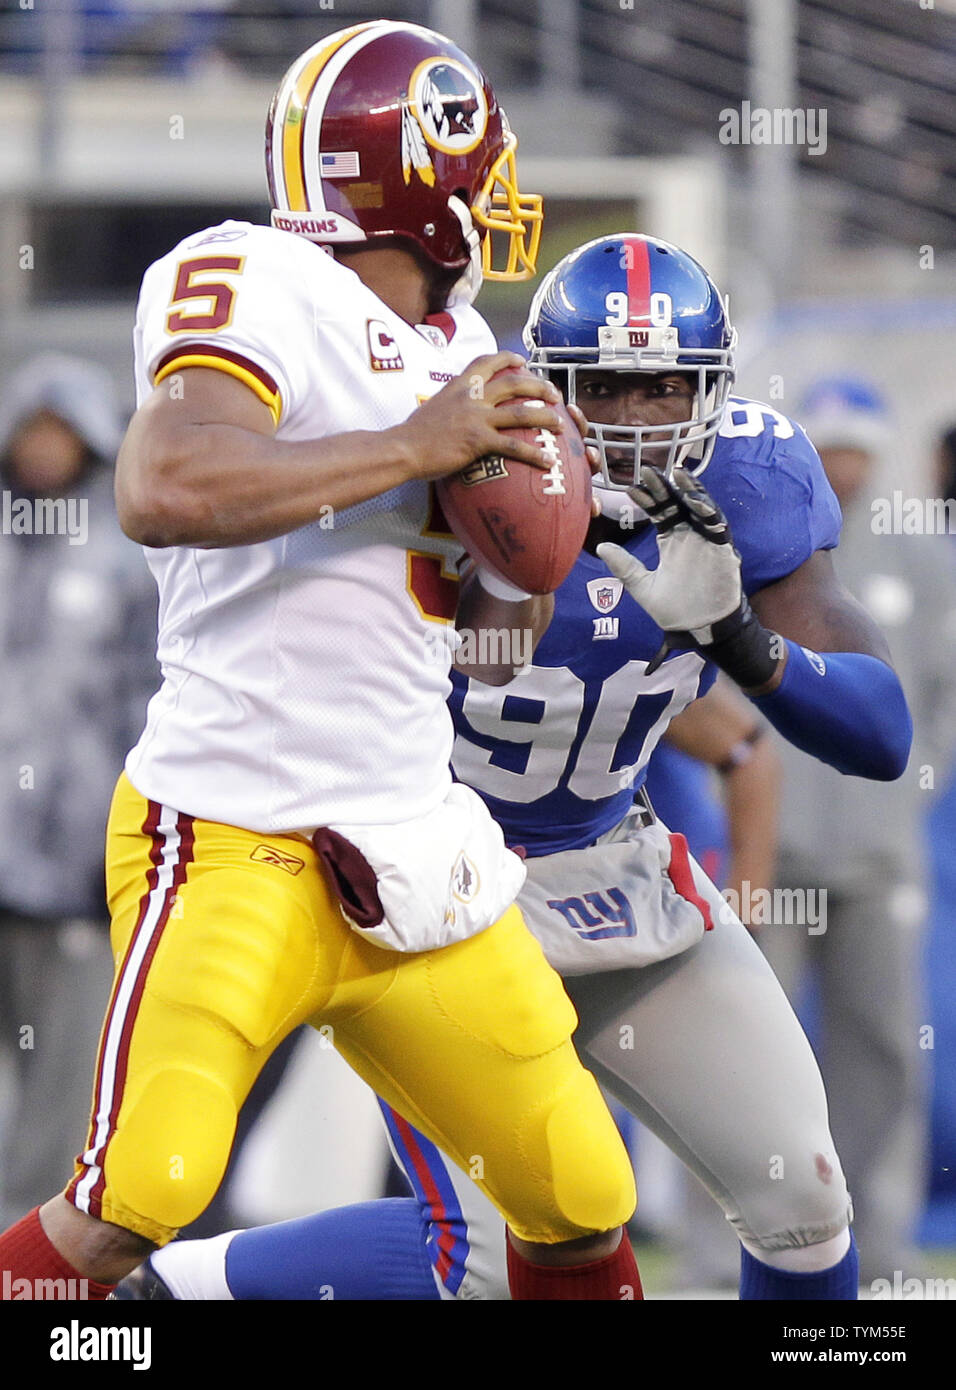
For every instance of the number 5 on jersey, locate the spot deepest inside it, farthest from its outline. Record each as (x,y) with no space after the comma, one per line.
(216,296)
(433,588)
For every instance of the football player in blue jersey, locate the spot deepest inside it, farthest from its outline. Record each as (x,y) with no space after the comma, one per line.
(711,552)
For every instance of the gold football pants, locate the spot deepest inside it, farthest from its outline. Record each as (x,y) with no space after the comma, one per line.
(226,940)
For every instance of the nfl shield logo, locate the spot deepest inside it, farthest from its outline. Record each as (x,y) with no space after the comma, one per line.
(605,594)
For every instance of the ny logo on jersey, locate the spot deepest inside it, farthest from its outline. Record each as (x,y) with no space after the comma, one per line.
(589,914)
(605,629)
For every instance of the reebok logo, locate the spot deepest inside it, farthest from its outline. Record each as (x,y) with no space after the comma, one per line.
(268,854)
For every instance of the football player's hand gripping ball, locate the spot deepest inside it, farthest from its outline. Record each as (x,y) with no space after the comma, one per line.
(696,593)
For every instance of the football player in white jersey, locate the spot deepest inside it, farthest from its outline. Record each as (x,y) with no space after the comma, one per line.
(286,844)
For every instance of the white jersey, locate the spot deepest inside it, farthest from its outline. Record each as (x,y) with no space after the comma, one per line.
(300,685)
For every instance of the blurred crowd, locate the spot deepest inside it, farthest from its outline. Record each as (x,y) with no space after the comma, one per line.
(77,639)
(174,38)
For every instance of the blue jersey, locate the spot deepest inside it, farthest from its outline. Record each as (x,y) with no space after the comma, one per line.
(559,752)
(683,794)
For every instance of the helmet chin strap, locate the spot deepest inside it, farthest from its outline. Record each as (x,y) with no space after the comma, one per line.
(693,448)
(466,288)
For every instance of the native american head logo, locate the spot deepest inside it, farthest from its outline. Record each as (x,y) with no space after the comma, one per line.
(465,882)
(445,109)
(449,102)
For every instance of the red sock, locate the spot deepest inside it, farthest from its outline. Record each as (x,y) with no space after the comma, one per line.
(27,1253)
(613,1277)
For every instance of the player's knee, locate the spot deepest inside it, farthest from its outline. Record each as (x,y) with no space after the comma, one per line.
(804,1204)
(168,1157)
(593,1181)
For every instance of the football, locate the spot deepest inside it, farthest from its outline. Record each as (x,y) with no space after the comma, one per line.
(526,524)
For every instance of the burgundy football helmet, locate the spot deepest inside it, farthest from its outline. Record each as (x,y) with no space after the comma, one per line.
(388,129)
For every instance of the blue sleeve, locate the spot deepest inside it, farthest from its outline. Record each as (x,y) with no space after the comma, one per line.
(846,709)
(779,503)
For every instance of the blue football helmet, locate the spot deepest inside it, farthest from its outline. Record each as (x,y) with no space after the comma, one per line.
(632,303)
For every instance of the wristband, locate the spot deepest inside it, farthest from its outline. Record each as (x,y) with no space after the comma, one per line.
(741,647)
(499,588)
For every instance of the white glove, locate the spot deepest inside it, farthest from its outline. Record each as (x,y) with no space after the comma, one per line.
(696,594)
(697,581)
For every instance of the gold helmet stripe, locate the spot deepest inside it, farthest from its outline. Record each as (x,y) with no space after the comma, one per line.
(295,101)
(324,85)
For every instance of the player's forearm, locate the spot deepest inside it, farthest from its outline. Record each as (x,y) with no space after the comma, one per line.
(752,793)
(213,485)
(499,636)
(845,708)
